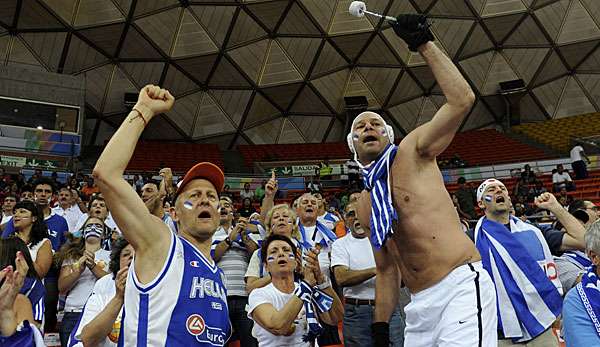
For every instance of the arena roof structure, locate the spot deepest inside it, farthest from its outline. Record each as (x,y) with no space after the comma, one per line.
(278,71)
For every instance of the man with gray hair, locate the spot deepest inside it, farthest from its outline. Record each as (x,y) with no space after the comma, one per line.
(581,308)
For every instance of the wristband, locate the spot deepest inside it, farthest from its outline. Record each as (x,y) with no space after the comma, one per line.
(303,291)
(324,285)
(380,332)
(140,115)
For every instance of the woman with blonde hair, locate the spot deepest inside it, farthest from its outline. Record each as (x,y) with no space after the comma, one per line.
(280,220)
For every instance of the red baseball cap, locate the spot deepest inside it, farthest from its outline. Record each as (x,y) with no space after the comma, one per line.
(205,170)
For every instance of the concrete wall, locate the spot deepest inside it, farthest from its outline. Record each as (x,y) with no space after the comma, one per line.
(24,83)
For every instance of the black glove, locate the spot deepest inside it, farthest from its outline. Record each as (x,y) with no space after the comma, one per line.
(413,29)
(380,332)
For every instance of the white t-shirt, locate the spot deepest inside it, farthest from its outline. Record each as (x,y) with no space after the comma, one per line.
(561,178)
(271,295)
(83,286)
(576,153)
(324,260)
(356,254)
(103,292)
(71,215)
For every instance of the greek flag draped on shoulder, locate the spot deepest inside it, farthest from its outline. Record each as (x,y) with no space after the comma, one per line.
(528,301)
(377,181)
(589,292)
(578,258)
(327,236)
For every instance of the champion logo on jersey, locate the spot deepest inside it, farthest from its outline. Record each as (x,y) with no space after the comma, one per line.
(195,324)
(195,263)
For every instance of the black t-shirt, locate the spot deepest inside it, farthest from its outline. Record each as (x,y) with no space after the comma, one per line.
(246,211)
(554,239)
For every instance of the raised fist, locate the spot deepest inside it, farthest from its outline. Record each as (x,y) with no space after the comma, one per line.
(413,29)
(153,100)
(547,201)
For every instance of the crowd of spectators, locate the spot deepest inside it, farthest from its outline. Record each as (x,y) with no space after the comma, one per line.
(69,233)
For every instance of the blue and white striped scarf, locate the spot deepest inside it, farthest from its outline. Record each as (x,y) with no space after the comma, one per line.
(528,301)
(327,236)
(314,300)
(589,292)
(377,181)
(578,258)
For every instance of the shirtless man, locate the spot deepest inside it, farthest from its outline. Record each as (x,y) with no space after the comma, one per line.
(453,301)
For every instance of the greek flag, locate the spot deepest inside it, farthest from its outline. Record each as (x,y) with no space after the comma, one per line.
(327,236)
(528,301)
(377,181)
(589,292)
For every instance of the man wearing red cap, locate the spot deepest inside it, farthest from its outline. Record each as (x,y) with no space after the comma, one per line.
(175,294)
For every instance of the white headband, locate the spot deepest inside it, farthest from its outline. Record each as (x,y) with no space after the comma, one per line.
(484,185)
(350,137)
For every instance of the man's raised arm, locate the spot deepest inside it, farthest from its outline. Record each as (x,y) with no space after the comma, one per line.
(435,136)
(139,227)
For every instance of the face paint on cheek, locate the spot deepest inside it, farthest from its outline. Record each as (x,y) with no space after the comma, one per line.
(488,198)
(355,136)
(270,259)
(292,256)
(383,132)
(188,204)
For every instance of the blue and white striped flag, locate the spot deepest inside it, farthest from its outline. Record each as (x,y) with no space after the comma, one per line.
(377,180)
(528,301)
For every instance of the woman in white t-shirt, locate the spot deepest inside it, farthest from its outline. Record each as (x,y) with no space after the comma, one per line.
(31,228)
(100,322)
(281,220)
(279,310)
(83,261)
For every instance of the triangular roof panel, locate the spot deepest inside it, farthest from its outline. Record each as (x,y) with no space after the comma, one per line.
(289,133)
(192,39)
(278,68)
(215,19)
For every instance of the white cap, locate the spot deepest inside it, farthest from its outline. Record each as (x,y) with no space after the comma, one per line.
(484,185)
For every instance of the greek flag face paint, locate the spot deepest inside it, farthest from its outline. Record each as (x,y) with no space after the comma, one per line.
(292,256)
(270,259)
(488,198)
(188,204)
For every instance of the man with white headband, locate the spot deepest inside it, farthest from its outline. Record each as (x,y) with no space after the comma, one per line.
(415,229)
(517,257)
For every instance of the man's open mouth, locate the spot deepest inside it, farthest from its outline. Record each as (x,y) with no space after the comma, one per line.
(370,138)
(204,214)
